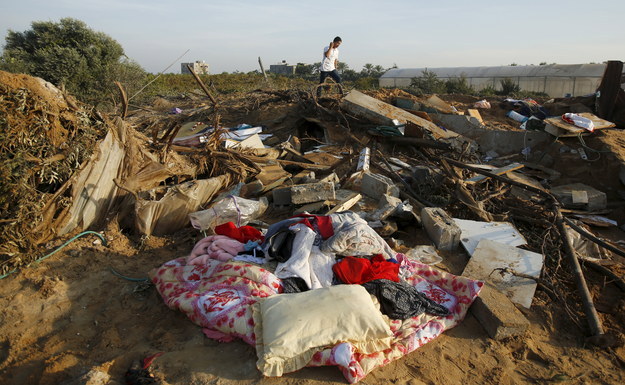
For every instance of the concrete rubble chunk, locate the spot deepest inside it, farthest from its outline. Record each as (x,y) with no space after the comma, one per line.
(491,255)
(281,196)
(386,207)
(441,228)
(312,192)
(597,200)
(383,113)
(376,185)
(498,315)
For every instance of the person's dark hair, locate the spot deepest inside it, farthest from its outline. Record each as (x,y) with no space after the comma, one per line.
(337,39)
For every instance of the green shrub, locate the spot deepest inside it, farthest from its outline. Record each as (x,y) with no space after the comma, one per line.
(459,85)
(428,83)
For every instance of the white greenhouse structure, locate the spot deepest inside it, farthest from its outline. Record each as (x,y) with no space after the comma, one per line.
(556,80)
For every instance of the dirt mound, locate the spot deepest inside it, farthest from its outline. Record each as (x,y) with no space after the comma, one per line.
(45,136)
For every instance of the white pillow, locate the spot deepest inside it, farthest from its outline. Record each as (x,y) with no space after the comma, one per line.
(291,328)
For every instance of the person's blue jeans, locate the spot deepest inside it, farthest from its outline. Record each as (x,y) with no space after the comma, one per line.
(334,74)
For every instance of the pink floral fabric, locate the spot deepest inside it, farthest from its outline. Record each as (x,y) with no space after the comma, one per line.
(218,297)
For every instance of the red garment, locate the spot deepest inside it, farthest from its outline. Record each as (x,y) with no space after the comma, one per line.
(241,234)
(323,224)
(353,270)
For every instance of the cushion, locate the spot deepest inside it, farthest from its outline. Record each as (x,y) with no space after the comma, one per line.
(291,328)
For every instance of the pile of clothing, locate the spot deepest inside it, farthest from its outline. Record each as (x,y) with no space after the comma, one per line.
(326,263)
(317,251)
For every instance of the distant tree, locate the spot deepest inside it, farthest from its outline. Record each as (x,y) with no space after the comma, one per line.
(513,65)
(306,71)
(542,63)
(428,83)
(70,53)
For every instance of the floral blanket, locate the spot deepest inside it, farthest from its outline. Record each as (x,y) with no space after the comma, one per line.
(218,295)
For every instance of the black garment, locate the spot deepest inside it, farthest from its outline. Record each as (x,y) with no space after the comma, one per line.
(294,285)
(280,245)
(399,300)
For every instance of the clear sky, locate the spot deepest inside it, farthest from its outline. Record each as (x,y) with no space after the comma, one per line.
(231,35)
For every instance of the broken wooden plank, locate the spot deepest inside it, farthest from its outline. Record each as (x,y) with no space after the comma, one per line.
(346,204)
(476,114)
(558,127)
(497,171)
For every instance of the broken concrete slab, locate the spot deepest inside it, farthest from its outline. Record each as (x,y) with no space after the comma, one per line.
(383,113)
(472,232)
(504,142)
(281,196)
(386,207)
(490,255)
(376,185)
(498,315)
(597,200)
(312,192)
(441,228)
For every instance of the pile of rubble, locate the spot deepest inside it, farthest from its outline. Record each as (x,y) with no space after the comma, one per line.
(430,178)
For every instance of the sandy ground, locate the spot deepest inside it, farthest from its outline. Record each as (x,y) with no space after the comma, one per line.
(70,320)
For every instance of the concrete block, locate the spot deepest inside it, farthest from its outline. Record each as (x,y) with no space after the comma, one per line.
(312,192)
(441,228)
(282,196)
(386,207)
(596,200)
(498,315)
(376,185)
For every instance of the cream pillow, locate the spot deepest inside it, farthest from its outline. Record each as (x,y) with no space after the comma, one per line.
(291,328)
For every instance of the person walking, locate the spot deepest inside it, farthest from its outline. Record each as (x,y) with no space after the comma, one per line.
(330,62)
